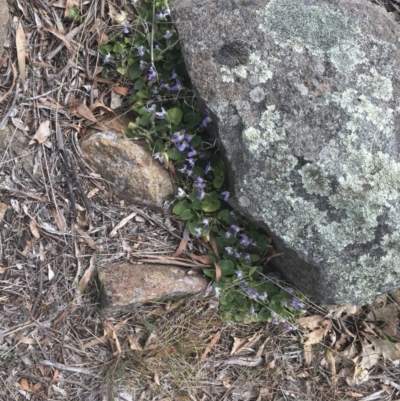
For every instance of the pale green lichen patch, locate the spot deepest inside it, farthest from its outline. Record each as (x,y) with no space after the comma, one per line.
(315,180)
(259,68)
(379,86)
(319,29)
(228,74)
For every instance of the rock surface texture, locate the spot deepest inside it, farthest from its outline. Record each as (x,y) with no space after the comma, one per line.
(306,97)
(126,285)
(136,177)
(4,14)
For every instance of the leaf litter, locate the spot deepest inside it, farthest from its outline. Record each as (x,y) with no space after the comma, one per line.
(54,342)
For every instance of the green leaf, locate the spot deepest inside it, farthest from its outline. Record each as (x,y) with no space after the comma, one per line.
(145,119)
(159,145)
(196,141)
(174,154)
(196,205)
(186,215)
(134,71)
(174,115)
(142,94)
(227,267)
(209,205)
(180,207)
(218,181)
(209,272)
(253,270)
(254,257)
(192,120)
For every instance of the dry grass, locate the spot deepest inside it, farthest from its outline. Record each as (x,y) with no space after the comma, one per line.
(51,332)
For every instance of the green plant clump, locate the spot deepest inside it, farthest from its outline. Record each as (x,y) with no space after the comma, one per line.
(147,51)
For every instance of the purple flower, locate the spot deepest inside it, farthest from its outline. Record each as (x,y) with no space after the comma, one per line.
(107,58)
(284,303)
(236,254)
(185,170)
(238,273)
(161,114)
(252,309)
(163,13)
(205,222)
(235,229)
(296,304)
(225,194)
(182,146)
(188,138)
(200,194)
(287,326)
(191,162)
(151,108)
(123,56)
(244,240)
(142,65)
(217,292)
(159,157)
(229,250)
(126,30)
(177,86)
(199,182)
(197,230)
(177,137)
(228,234)
(247,257)
(233,215)
(289,289)
(173,75)
(193,152)
(157,47)
(208,167)
(253,294)
(165,86)
(152,73)
(181,193)
(140,51)
(167,35)
(253,243)
(205,122)
(263,296)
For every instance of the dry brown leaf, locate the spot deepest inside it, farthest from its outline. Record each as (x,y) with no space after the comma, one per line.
(103,339)
(59,219)
(181,248)
(134,343)
(20,40)
(241,345)
(36,387)
(2,269)
(218,272)
(25,385)
(317,335)
(210,346)
(60,36)
(308,354)
(34,229)
(3,209)
(41,369)
(388,313)
(111,334)
(335,311)
(68,5)
(353,394)
(55,376)
(204,259)
(84,281)
(51,104)
(390,351)
(116,17)
(41,64)
(42,133)
(85,112)
(86,237)
(121,90)
(311,322)
(60,318)
(121,224)
(369,356)
(331,360)
(395,295)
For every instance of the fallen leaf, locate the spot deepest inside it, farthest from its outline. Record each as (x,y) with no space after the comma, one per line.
(3,209)
(85,112)
(51,274)
(121,90)
(204,259)
(218,272)
(36,387)
(111,335)
(331,360)
(121,224)
(214,245)
(390,351)
(60,36)
(369,356)
(60,318)
(314,337)
(42,133)
(308,354)
(335,311)
(134,343)
(245,343)
(311,322)
(116,17)
(388,313)
(84,281)
(41,369)
(181,248)
(20,40)
(25,385)
(86,237)
(353,394)
(210,346)
(59,219)
(55,376)
(34,229)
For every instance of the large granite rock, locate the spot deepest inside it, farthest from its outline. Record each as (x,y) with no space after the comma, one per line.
(136,177)
(126,285)
(305,94)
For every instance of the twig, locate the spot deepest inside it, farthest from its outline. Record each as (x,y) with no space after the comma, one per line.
(61,366)
(40,290)
(10,109)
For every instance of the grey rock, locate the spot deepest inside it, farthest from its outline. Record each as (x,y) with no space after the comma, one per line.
(315,159)
(126,285)
(4,16)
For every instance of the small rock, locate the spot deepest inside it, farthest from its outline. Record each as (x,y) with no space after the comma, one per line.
(126,285)
(137,177)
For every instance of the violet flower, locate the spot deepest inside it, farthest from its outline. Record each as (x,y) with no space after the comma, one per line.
(125,29)
(225,194)
(198,232)
(152,73)
(199,182)
(193,152)
(107,58)
(161,114)
(173,75)
(140,51)
(181,193)
(244,240)
(167,35)
(229,250)
(158,156)
(239,274)
(177,137)
(200,194)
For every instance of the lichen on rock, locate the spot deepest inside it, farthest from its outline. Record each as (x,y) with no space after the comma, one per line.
(316,150)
